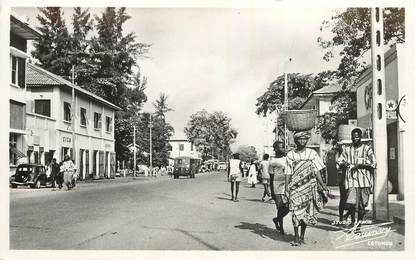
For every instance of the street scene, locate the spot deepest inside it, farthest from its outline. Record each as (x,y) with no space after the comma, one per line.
(245,129)
(169,215)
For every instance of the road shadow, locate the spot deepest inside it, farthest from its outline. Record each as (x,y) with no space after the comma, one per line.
(265,232)
(190,234)
(223,198)
(260,200)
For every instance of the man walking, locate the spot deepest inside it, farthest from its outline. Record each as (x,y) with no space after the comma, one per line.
(265,176)
(235,175)
(358,161)
(54,172)
(277,184)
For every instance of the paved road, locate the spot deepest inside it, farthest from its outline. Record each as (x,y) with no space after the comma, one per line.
(165,214)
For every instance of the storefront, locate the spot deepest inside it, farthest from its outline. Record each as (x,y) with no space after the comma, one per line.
(394,78)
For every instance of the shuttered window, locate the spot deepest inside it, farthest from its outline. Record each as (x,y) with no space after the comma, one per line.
(21,72)
(18,70)
(108,124)
(66,111)
(83,116)
(97,120)
(42,107)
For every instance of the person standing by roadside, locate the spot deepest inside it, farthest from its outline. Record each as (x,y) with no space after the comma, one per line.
(75,175)
(235,175)
(68,168)
(252,174)
(278,180)
(335,152)
(264,168)
(358,161)
(303,166)
(54,172)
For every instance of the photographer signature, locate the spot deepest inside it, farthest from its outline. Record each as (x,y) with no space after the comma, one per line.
(358,234)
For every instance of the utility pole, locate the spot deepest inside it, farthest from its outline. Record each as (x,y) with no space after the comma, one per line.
(286,102)
(151,144)
(73,113)
(380,194)
(135,152)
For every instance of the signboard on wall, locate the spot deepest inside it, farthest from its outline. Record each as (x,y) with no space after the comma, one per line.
(391,115)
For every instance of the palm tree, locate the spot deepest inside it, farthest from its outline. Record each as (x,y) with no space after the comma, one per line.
(161,107)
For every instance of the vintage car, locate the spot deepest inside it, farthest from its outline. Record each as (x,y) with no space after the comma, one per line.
(222,166)
(33,175)
(186,166)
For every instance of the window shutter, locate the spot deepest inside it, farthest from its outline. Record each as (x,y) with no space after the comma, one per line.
(31,104)
(21,77)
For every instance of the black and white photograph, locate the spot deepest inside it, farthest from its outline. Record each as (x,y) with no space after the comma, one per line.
(207,128)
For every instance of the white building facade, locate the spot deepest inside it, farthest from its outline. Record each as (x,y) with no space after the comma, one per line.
(49,123)
(20,33)
(183,147)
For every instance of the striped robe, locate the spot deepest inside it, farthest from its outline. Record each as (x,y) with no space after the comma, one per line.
(360,178)
(304,201)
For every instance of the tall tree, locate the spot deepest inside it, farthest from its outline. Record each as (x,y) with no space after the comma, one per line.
(351,36)
(211,133)
(247,153)
(161,106)
(82,23)
(52,49)
(300,86)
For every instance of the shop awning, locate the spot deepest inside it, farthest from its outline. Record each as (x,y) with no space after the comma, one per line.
(17,152)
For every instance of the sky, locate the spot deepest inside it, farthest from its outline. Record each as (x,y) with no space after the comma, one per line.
(221,59)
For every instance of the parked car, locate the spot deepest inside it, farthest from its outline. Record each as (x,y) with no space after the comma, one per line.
(222,166)
(186,166)
(33,175)
(203,168)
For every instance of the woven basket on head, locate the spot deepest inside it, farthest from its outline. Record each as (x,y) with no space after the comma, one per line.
(300,120)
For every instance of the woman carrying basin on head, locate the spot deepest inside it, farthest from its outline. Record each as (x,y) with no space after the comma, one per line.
(303,169)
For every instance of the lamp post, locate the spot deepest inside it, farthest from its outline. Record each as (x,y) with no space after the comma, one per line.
(135,152)
(73,113)
(151,143)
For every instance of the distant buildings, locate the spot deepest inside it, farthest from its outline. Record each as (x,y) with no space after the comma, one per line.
(183,147)
(321,101)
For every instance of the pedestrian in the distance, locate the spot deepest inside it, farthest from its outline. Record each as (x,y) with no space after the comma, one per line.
(68,169)
(264,168)
(235,175)
(358,160)
(279,178)
(303,170)
(60,176)
(252,174)
(75,175)
(54,172)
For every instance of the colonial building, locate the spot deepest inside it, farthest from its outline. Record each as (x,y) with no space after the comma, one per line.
(50,113)
(183,147)
(395,105)
(20,33)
